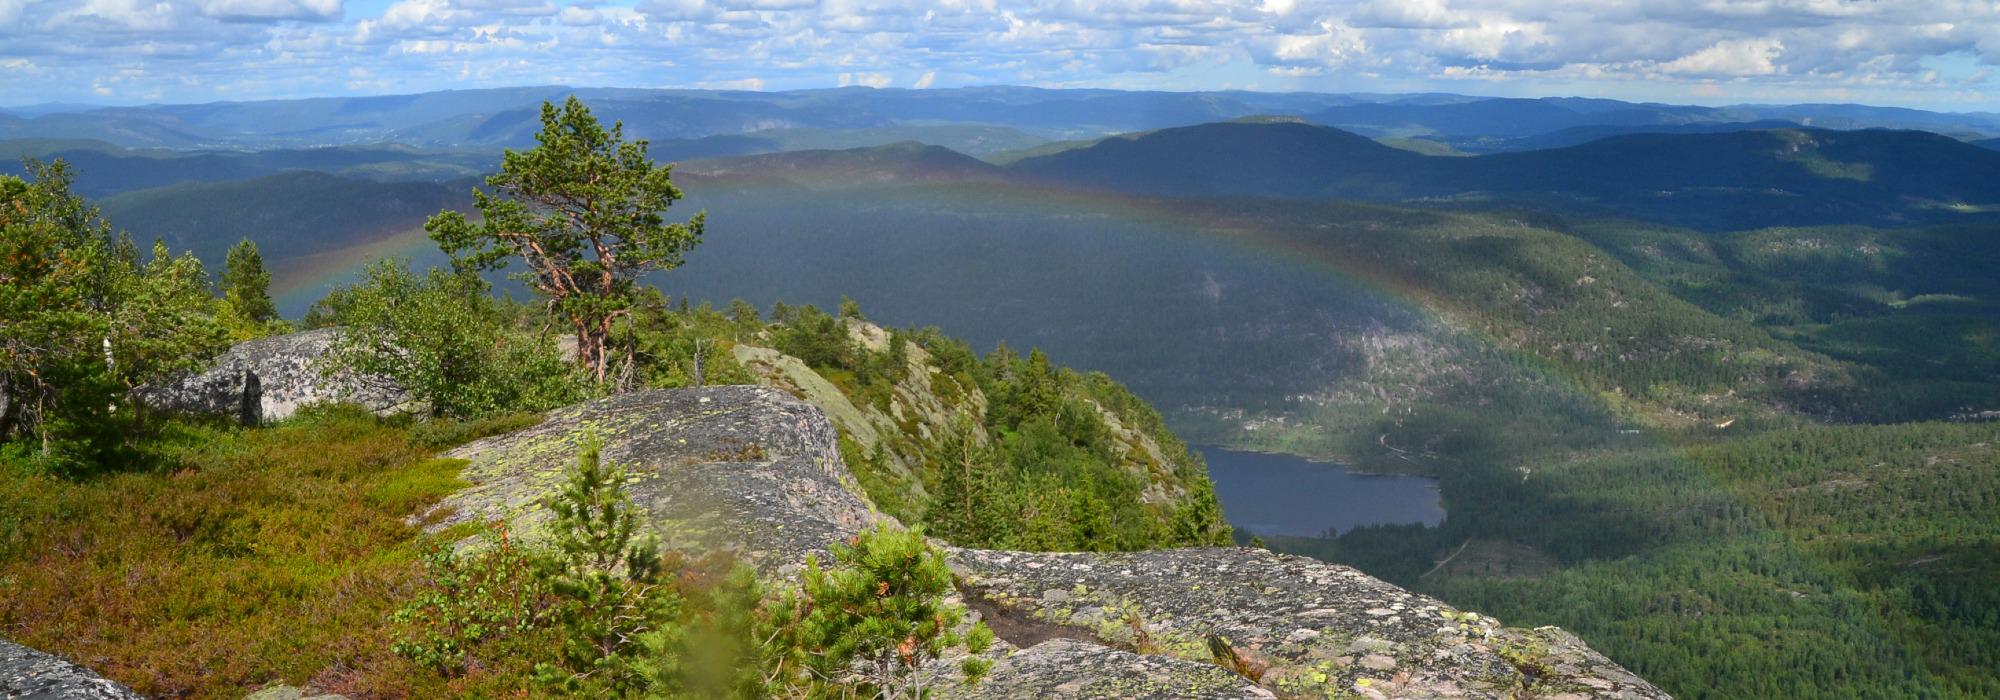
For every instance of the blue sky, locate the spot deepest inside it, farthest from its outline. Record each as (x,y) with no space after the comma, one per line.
(1937,54)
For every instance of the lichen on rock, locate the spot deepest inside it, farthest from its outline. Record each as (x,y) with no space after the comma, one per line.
(1067,668)
(1301,627)
(27,673)
(742,468)
(269,379)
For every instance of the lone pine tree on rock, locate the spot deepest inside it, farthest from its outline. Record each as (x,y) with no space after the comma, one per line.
(584,210)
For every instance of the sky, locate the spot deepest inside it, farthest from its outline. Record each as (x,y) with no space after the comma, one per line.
(1932,54)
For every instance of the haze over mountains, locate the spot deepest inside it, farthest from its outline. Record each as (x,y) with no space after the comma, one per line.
(1703,167)
(506,116)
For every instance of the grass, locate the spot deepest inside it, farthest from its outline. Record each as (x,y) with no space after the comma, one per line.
(249,557)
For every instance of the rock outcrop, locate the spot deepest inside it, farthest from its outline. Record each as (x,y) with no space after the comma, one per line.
(895,430)
(747,468)
(1065,668)
(1302,627)
(270,378)
(755,470)
(26,673)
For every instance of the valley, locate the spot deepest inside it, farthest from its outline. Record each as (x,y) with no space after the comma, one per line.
(1711,388)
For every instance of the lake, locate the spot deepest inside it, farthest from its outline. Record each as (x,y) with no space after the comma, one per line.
(1274,494)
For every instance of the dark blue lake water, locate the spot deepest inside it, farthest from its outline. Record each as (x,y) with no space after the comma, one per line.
(1273,494)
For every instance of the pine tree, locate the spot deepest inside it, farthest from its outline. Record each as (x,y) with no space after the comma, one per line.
(866,626)
(246,285)
(83,321)
(583,211)
(608,582)
(963,507)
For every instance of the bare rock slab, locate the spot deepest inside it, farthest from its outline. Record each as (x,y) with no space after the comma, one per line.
(1301,627)
(26,673)
(1066,668)
(743,468)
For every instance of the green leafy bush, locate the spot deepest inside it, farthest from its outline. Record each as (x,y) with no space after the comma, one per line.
(471,599)
(441,336)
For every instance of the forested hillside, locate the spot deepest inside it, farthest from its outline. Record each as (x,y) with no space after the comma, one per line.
(295,214)
(1743,452)
(1582,386)
(1713,181)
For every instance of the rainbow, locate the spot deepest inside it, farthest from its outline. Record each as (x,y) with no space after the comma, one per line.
(298,282)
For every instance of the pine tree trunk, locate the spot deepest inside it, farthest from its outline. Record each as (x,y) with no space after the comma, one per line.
(590,348)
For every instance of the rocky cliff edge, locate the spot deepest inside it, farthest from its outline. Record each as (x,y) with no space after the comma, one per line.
(755,470)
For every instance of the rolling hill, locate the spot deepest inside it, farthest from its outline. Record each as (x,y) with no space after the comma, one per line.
(1717,181)
(289,215)
(102,169)
(1235,158)
(1579,135)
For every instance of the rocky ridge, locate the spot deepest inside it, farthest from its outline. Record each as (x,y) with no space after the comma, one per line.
(755,470)
(927,402)
(745,468)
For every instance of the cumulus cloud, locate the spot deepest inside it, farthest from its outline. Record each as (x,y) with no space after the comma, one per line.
(204,49)
(1742,57)
(269,10)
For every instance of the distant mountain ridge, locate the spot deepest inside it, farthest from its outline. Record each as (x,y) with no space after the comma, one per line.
(1736,179)
(103,169)
(506,116)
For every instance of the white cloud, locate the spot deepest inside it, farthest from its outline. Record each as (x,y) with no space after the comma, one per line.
(579,16)
(289,47)
(738,84)
(1407,14)
(267,10)
(767,4)
(874,80)
(1738,58)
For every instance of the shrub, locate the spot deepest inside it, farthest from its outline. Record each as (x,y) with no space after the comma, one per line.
(441,337)
(870,624)
(470,601)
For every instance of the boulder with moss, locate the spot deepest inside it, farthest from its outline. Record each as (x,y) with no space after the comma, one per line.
(268,379)
(742,468)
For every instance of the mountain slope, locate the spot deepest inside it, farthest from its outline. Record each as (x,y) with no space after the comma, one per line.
(1234,158)
(1720,181)
(1579,135)
(289,214)
(102,169)
(1505,117)
(905,162)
